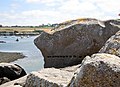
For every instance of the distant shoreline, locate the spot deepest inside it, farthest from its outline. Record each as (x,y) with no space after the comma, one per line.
(10,56)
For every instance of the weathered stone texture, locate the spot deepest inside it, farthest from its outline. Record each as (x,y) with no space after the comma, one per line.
(49,77)
(112,46)
(9,72)
(99,70)
(73,40)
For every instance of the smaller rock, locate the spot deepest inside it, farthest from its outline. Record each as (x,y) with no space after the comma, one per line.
(112,46)
(16,83)
(49,77)
(4,80)
(10,71)
(99,70)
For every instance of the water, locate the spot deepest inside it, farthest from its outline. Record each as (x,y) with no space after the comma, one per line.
(33,60)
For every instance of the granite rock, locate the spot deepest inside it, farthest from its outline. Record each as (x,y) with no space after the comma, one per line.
(71,41)
(9,72)
(99,70)
(112,46)
(49,77)
(16,83)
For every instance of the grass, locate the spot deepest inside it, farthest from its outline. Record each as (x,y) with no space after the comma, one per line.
(23,29)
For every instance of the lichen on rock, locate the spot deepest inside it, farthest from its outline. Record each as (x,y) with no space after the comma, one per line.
(99,70)
(112,46)
(69,44)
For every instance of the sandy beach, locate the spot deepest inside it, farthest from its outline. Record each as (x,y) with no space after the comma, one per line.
(10,56)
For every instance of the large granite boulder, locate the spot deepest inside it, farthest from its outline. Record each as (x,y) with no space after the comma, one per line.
(10,72)
(112,46)
(71,41)
(99,70)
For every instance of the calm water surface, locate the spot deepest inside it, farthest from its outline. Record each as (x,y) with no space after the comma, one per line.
(33,60)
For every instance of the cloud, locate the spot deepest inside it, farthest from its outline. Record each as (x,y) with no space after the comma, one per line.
(110,6)
(77,6)
(61,10)
(14,5)
(40,1)
(32,17)
(30,1)
(39,13)
(102,9)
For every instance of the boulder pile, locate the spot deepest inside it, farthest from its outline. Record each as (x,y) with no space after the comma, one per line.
(82,53)
(99,70)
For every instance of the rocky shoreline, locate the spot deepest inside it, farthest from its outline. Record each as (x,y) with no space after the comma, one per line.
(79,53)
(10,56)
